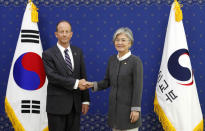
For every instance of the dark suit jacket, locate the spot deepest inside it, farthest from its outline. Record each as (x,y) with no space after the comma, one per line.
(61,96)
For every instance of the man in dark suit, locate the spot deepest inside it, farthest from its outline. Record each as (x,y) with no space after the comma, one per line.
(65,70)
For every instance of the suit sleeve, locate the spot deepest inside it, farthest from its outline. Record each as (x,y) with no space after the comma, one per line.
(137,84)
(85,93)
(53,76)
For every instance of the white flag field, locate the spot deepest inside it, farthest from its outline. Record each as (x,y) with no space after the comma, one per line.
(25,102)
(176,98)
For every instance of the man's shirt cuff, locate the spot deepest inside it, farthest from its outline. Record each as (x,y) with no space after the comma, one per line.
(86,102)
(76,84)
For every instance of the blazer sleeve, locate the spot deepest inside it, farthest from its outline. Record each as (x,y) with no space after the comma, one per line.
(137,83)
(85,93)
(53,76)
(105,83)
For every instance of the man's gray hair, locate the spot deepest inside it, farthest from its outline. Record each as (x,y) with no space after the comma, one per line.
(124,30)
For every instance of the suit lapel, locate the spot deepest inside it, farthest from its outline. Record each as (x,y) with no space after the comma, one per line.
(61,60)
(75,55)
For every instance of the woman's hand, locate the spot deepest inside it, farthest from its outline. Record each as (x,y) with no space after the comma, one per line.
(134,116)
(89,84)
(83,84)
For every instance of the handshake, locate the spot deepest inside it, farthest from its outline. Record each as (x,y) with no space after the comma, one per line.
(83,84)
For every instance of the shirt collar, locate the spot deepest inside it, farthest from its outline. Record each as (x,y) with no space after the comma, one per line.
(62,49)
(124,56)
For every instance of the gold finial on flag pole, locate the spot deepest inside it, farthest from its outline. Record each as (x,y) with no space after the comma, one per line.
(178,11)
(34,12)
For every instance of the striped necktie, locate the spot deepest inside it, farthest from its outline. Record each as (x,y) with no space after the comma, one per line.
(68,61)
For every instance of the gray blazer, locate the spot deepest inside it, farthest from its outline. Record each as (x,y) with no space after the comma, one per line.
(125,78)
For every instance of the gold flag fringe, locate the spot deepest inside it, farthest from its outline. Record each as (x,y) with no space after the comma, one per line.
(14,120)
(200,126)
(46,129)
(12,117)
(166,124)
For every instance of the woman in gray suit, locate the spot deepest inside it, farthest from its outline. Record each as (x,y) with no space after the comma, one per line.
(124,75)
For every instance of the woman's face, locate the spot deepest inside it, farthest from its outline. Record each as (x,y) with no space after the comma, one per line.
(122,43)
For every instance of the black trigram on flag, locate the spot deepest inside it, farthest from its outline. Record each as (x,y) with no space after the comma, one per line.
(30,36)
(30,106)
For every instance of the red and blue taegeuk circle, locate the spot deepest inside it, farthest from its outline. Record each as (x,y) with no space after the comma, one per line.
(28,72)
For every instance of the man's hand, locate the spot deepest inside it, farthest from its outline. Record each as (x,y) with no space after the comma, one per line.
(85,108)
(134,116)
(83,84)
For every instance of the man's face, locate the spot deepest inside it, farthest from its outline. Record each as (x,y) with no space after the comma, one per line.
(64,33)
